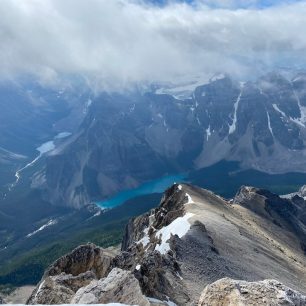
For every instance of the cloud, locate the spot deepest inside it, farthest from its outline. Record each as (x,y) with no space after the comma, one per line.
(124,42)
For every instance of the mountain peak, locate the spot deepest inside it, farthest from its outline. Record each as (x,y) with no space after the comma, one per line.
(191,240)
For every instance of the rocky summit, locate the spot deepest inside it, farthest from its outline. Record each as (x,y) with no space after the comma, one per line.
(193,240)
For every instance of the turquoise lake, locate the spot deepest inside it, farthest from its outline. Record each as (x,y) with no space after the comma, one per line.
(155,186)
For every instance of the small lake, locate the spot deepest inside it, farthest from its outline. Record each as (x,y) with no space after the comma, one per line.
(155,186)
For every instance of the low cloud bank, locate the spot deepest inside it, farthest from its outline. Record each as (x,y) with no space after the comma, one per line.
(121,42)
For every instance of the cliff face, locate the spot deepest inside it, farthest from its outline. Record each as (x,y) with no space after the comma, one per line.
(191,240)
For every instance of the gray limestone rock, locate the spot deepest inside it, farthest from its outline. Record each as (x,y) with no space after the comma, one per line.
(228,292)
(118,287)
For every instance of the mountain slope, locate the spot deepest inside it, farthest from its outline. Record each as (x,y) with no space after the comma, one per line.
(129,138)
(191,240)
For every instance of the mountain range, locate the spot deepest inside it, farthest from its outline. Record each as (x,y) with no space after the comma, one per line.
(62,150)
(128,139)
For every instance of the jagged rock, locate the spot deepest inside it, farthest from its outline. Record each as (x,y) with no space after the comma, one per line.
(70,273)
(228,292)
(84,258)
(60,289)
(118,287)
(170,208)
(1,300)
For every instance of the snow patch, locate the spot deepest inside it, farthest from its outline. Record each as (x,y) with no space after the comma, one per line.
(146,239)
(232,127)
(198,120)
(184,87)
(302,119)
(138,267)
(179,227)
(98,213)
(179,187)
(208,133)
(62,135)
(50,223)
(279,111)
(189,199)
(217,77)
(269,124)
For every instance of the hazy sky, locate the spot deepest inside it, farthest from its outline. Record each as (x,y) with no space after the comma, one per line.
(121,42)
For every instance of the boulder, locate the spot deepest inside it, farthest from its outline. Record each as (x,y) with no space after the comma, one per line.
(229,292)
(119,286)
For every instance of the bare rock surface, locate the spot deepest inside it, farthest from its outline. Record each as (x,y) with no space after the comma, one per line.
(228,292)
(70,273)
(84,258)
(119,286)
(258,236)
(60,288)
(193,239)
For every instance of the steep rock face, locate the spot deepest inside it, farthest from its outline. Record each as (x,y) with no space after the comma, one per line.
(227,292)
(127,139)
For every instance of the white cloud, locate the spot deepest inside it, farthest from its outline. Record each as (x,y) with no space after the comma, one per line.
(122,42)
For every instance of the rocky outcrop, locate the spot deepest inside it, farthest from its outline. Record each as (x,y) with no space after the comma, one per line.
(59,289)
(171,207)
(119,286)
(1,300)
(84,258)
(228,292)
(70,273)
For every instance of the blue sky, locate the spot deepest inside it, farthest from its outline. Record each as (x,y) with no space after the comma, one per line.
(234,3)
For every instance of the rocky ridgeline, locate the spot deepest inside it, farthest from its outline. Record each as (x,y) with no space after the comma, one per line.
(193,240)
